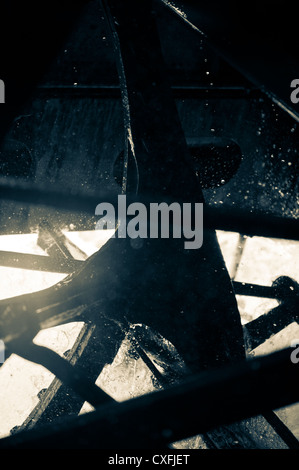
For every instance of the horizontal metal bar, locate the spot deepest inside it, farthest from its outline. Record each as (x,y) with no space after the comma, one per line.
(178,91)
(251,223)
(224,218)
(193,407)
(13,259)
(255,290)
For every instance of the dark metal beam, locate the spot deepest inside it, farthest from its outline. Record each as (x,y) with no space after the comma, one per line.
(159,418)
(283,289)
(220,218)
(71,375)
(12,259)
(178,91)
